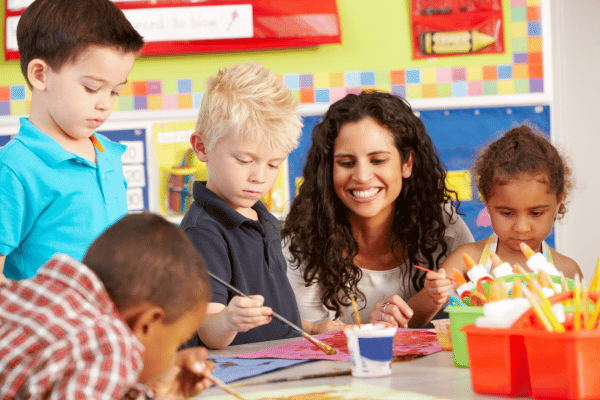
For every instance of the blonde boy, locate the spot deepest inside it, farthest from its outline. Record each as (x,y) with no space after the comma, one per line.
(61,184)
(246,127)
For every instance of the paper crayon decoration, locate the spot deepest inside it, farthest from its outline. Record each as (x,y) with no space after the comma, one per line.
(454,42)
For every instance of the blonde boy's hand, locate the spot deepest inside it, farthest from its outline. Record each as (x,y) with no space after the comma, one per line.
(245,313)
(437,285)
(184,378)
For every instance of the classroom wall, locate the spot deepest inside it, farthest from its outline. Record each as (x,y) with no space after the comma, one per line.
(375,52)
(575,123)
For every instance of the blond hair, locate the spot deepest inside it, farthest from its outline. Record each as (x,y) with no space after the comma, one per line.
(248,101)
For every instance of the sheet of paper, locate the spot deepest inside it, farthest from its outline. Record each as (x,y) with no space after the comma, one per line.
(354,391)
(229,369)
(406,341)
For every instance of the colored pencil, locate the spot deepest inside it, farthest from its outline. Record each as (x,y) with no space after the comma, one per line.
(325,347)
(223,386)
(429,270)
(296,378)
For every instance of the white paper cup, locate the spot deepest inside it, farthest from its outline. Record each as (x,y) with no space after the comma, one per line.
(370,348)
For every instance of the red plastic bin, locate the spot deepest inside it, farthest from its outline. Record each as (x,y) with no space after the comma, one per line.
(527,359)
(498,361)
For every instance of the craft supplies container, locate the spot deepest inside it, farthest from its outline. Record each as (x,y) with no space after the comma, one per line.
(371,349)
(528,359)
(442,332)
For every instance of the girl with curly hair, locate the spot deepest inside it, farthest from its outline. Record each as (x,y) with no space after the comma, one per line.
(373,204)
(524,183)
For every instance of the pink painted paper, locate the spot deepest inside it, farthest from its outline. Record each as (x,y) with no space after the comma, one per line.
(406,341)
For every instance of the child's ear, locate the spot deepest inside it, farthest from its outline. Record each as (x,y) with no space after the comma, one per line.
(198,146)
(407,166)
(37,73)
(144,321)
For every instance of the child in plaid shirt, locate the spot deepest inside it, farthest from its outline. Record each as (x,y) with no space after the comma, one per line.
(108,328)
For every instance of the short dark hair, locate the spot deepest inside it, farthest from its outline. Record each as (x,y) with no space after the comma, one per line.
(57,31)
(521,151)
(145,258)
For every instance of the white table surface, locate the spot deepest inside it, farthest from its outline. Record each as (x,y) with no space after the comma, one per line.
(434,375)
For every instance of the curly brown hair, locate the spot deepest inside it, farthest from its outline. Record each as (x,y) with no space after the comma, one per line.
(521,151)
(317,228)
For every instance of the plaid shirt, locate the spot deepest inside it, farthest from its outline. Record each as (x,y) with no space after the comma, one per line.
(61,338)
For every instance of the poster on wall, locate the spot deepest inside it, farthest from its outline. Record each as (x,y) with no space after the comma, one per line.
(135,165)
(459,135)
(456,27)
(190,26)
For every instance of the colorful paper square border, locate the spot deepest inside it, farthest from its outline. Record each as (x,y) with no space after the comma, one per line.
(524,75)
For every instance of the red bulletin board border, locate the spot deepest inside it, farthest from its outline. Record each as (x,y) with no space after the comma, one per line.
(276,24)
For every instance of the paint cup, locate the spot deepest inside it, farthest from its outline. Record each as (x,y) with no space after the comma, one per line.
(370,348)
(442,331)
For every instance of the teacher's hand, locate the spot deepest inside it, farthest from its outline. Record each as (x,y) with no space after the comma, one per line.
(392,310)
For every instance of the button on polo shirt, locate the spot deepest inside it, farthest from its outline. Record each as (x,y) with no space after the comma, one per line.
(53,200)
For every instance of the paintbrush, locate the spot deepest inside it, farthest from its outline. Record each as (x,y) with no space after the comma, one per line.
(296,378)
(222,385)
(325,347)
(429,270)
(355,311)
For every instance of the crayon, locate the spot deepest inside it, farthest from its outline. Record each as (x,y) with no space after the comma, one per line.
(454,42)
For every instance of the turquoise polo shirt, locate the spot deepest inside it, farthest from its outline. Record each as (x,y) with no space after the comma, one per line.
(54,201)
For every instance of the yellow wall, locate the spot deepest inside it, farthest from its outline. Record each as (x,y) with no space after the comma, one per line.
(375,36)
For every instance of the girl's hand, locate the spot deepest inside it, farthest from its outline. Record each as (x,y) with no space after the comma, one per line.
(184,378)
(328,327)
(437,285)
(392,310)
(245,313)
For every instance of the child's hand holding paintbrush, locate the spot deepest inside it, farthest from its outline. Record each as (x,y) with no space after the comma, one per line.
(437,285)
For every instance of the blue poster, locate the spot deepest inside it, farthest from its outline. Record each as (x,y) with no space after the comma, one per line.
(459,135)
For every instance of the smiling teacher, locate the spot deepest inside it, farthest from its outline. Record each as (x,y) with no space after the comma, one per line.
(372,205)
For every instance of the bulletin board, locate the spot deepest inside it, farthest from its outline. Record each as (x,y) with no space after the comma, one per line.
(459,135)
(135,165)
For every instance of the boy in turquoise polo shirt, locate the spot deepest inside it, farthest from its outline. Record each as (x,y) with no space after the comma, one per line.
(61,184)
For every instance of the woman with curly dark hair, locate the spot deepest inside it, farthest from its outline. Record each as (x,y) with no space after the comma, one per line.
(372,205)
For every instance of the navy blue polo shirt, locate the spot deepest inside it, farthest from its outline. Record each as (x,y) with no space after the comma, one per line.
(245,253)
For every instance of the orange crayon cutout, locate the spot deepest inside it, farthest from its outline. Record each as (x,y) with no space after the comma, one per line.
(496,261)
(526,250)
(458,277)
(468,260)
(97,143)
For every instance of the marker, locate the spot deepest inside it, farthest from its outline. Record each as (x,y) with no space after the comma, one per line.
(500,268)
(454,42)
(476,271)
(577,304)
(458,278)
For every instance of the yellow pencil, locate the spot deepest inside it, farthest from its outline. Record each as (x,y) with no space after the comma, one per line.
(593,318)
(547,309)
(584,303)
(595,283)
(356,315)
(537,309)
(577,304)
